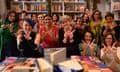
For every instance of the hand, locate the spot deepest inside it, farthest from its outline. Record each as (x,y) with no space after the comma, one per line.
(19,37)
(3,26)
(71,34)
(36,49)
(27,35)
(92,45)
(85,45)
(43,34)
(66,35)
(11,27)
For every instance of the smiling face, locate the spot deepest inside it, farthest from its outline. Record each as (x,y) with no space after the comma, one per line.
(48,20)
(11,17)
(88,37)
(108,40)
(26,26)
(54,17)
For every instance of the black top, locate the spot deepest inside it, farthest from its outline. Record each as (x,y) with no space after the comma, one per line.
(72,48)
(28,46)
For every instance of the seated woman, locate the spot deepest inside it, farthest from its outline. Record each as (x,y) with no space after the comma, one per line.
(48,34)
(88,47)
(69,36)
(108,52)
(25,41)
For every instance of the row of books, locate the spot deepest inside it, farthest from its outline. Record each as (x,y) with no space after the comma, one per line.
(22,64)
(67,7)
(82,64)
(27,7)
(30,0)
(116,6)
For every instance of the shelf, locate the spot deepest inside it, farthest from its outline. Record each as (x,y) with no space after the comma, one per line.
(72,2)
(37,11)
(72,12)
(57,2)
(57,11)
(116,10)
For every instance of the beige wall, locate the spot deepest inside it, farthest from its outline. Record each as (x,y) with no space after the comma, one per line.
(3,9)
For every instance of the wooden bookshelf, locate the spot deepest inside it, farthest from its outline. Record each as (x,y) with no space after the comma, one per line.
(67,6)
(30,6)
(115,8)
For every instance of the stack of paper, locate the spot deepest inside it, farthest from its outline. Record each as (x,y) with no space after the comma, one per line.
(70,65)
(58,56)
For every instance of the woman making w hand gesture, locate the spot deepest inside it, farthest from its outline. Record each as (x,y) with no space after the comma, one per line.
(109,52)
(88,47)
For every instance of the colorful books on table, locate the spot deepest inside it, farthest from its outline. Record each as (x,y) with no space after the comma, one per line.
(18,64)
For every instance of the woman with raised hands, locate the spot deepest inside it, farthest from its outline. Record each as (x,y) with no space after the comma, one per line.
(26,41)
(109,52)
(69,36)
(88,47)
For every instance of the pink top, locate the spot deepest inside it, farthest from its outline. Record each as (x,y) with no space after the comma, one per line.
(49,39)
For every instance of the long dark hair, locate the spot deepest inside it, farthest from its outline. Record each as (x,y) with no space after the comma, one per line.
(92,17)
(16,16)
(88,31)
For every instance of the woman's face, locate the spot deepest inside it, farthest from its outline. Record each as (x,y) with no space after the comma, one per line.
(34,17)
(85,17)
(96,15)
(20,23)
(26,26)
(11,17)
(54,17)
(108,40)
(48,20)
(88,37)
(40,17)
(79,22)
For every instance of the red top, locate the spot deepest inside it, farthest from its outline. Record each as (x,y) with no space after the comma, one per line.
(49,39)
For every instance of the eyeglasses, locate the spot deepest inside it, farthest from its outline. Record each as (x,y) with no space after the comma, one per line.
(108,38)
(47,19)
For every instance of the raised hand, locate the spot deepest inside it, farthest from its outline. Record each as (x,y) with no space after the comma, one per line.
(27,35)
(92,45)
(85,45)
(71,34)
(11,27)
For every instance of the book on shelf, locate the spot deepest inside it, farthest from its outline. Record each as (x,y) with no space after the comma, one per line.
(116,6)
(35,7)
(16,7)
(57,7)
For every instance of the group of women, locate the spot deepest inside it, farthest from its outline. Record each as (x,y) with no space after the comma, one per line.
(86,35)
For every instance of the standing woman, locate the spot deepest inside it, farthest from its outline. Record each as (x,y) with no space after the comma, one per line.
(10,27)
(88,47)
(108,52)
(25,41)
(96,25)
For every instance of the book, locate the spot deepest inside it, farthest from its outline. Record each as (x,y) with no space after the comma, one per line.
(47,52)
(21,59)
(58,56)
(23,69)
(70,65)
(44,65)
